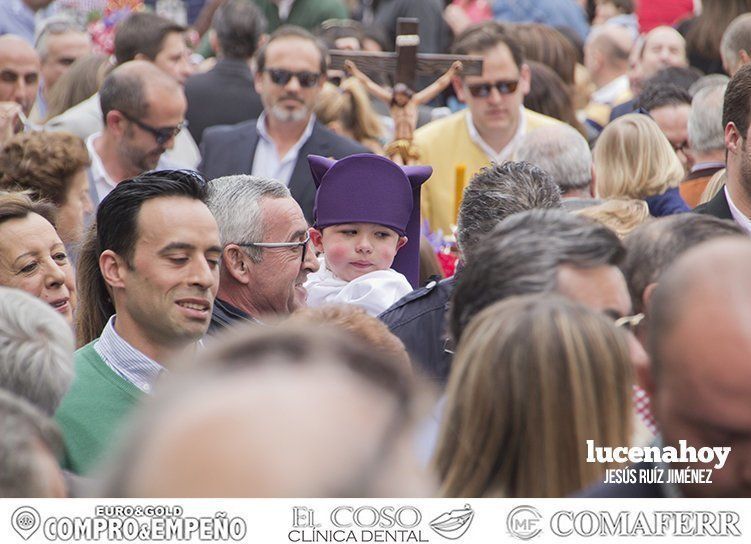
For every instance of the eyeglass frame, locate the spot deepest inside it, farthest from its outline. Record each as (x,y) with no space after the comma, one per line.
(303,244)
(159,134)
(507,87)
(629,322)
(289,74)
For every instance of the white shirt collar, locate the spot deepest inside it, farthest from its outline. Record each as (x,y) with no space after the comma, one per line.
(505,153)
(610,92)
(738,216)
(99,173)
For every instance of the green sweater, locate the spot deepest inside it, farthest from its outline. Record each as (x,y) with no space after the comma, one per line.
(305,13)
(93,409)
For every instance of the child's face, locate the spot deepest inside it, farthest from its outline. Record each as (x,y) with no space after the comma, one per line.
(354,249)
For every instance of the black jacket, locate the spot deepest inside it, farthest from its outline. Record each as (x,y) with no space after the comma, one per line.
(230,149)
(718,206)
(418,319)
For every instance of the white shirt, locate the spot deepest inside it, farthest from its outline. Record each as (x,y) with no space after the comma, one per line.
(507,152)
(374,292)
(610,92)
(738,216)
(266,161)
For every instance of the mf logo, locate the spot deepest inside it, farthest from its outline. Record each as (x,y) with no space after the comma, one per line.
(524,522)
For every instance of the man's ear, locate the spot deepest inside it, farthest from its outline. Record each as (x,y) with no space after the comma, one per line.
(525,79)
(458,85)
(733,139)
(744,57)
(316,237)
(646,297)
(400,243)
(233,263)
(141,56)
(115,121)
(214,42)
(113,269)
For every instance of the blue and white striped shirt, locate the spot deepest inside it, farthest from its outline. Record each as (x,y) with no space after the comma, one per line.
(125,360)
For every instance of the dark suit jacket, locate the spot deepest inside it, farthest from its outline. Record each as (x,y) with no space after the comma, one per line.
(230,149)
(222,96)
(717,207)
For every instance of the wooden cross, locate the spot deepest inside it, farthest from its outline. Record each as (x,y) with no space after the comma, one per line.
(406,64)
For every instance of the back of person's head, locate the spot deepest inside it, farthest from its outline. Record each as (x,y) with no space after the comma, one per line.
(613,42)
(550,96)
(79,82)
(563,153)
(737,106)
(522,256)
(705,35)
(482,37)
(634,159)
(56,25)
(126,88)
(652,247)
(621,215)
(498,191)
(655,96)
(116,229)
(42,163)
(705,130)
(262,392)
(525,369)
(235,202)
(737,38)
(711,80)
(336,33)
(287,32)
(36,350)
(29,449)
(238,26)
(142,33)
(546,45)
(368,330)
(348,108)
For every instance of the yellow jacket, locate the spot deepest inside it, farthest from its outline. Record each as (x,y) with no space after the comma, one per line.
(444,144)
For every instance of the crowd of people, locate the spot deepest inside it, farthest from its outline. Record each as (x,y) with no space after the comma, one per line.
(230,267)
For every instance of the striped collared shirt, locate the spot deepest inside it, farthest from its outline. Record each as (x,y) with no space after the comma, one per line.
(125,360)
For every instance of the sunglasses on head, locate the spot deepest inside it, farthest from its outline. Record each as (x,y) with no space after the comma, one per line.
(280,76)
(482,90)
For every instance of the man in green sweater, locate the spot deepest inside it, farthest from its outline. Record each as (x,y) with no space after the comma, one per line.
(153,273)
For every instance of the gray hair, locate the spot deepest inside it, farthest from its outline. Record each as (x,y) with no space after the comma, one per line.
(655,245)
(235,202)
(54,26)
(36,350)
(23,428)
(705,129)
(522,256)
(500,190)
(562,152)
(737,37)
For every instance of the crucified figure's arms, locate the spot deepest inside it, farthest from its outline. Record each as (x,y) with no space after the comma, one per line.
(432,90)
(381,93)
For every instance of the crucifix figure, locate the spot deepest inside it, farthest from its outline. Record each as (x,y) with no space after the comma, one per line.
(401,99)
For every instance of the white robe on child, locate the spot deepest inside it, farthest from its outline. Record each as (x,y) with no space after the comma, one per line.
(374,292)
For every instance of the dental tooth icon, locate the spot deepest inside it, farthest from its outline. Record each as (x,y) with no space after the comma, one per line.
(25,521)
(452,525)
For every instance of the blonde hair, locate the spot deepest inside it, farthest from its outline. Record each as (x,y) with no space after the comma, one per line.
(634,159)
(350,106)
(534,378)
(621,215)
(714,185)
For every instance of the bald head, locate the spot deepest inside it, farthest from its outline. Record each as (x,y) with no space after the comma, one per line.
(700,340)
(663,47)
(735,47)
(19,66)
(606,52)
(131,86)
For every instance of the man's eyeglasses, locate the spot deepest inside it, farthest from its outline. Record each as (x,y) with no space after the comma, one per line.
(281,77)
(162,134)
(300,247)
(483,90)
(629,322)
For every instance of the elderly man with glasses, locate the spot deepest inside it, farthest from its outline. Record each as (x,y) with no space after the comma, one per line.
(489,130)
(266,258)
(289,76)
(143,110)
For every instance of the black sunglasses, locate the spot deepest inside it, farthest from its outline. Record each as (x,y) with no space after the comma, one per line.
(281,77)
(163,134)
(482,90)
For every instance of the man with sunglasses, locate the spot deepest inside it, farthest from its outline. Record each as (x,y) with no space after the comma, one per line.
(19,81)
(289,76)
(143,110)
(488,131)
(266,258)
